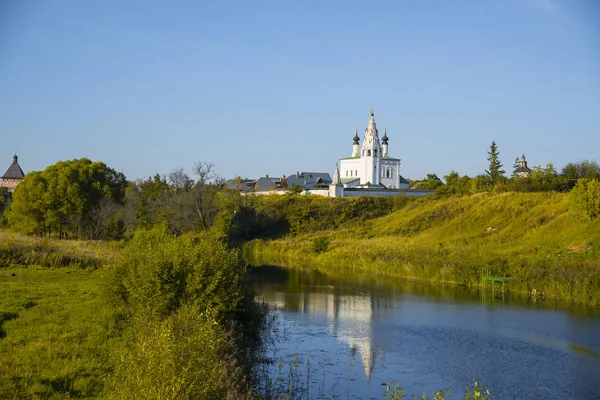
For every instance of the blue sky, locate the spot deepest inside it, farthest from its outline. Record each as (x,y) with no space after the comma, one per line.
(275,87)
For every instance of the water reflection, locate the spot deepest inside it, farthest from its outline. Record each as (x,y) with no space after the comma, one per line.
(353,335)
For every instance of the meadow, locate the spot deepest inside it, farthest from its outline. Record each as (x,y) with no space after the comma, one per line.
(56,333)
(531,237)
(159,317)
(56,328)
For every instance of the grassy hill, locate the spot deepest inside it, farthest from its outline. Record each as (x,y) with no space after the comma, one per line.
(529,236)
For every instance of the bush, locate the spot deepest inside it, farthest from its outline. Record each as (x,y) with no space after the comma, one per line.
(159,273)
(186,356)
(585,200)
(181,296)
(320,244)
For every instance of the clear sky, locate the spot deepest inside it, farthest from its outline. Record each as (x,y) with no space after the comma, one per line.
(277,87)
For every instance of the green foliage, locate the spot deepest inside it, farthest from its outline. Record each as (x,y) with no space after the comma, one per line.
(275,216)
(296,189)
(528,236)
(431,182)
(516,166)
(69,198)
(182,297)
(51,253)
(188,355)
(158,273)
(582,169)
(5,199)
(455,184)
(495,173)
(585,200)
(320,244)
(177,201)
(182,327)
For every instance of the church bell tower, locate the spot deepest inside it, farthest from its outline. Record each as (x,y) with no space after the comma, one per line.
(371,154)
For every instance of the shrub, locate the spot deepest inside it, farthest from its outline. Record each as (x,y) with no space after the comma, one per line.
(186,356)
(320,244)
(159,273)
(585,200)
(181,296)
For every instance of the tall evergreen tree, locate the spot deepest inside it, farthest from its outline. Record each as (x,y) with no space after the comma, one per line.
(516,165)
(495,173)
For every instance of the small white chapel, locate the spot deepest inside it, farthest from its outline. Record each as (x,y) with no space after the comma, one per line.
(371,166)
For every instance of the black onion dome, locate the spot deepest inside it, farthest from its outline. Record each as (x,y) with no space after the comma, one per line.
(384,139)
(356,138)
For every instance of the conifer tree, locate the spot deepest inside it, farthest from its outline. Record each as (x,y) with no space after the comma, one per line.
(516,165)
(495,172)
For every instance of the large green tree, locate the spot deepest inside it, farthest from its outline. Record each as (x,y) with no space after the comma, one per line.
(495,173)
(67,199)
(582,169)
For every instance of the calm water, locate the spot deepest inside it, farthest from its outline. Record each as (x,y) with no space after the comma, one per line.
(349,338)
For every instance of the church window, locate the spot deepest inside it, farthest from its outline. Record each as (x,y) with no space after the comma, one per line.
(375,152)
(356,172)
(368,153)
(346,172)
(387,173)
(350,172)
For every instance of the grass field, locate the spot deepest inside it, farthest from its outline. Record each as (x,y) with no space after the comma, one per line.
(56,333)
(531,237)
(161,317)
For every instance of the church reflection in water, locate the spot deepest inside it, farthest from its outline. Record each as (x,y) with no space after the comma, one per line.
(349,317)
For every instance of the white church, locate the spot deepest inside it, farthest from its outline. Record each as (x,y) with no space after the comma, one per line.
(371,166)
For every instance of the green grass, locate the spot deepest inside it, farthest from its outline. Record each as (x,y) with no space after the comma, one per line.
(531,237)
(56,333)
(18,250)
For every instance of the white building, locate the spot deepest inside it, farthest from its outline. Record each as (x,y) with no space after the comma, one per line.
(371,166)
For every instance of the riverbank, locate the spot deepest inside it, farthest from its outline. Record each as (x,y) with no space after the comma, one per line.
(530,237)
(158,316)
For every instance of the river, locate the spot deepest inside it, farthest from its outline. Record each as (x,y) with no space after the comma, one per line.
(341,338)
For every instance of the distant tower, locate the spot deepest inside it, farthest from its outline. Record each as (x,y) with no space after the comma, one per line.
(336,189)
(371,154)
(523,171)
(356,145)
(13,176)
(384,144)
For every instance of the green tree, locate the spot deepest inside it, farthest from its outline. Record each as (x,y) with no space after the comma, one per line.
(431,182)
(5,199)
(516,165)
(455,184)
(585,200)
(64,199)
(495,173)
(543,178)
(582,169)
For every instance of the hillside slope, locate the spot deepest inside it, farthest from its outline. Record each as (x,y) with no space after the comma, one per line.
(529,236)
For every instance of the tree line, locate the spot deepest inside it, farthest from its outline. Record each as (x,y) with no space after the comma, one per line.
(89,200)
(494,179)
